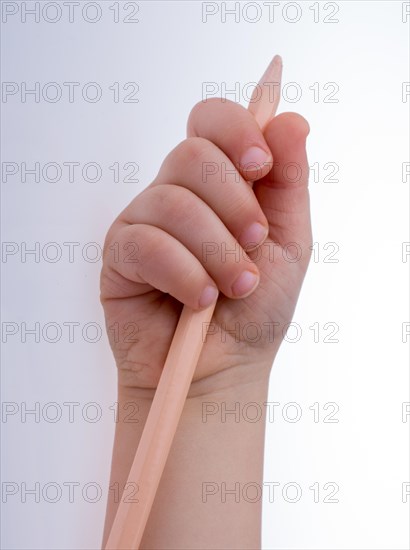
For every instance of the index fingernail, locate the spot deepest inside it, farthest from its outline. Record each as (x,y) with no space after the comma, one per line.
(254,158)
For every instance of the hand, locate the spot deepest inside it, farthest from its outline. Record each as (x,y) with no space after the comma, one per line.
(174,244)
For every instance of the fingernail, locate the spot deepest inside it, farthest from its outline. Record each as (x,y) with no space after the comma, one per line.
(254,235)
(254,158)
(245,284)
(209,296)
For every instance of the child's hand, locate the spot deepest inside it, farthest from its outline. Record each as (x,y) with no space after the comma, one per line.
(186,234)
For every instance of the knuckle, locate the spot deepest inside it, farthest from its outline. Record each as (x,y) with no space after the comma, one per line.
(202,106)
(193,116)
(191,151)
(109,238)
(212,106)
(172,200)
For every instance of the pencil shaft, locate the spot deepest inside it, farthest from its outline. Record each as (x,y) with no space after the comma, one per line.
(160,427)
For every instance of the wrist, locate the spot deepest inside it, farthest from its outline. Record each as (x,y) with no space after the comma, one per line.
(227,381)
(231,381)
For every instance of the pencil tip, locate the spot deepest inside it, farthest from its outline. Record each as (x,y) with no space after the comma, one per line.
(278,60)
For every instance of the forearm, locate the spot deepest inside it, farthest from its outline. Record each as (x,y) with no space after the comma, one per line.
(200,502)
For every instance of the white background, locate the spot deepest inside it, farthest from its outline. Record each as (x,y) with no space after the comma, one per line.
(171,52)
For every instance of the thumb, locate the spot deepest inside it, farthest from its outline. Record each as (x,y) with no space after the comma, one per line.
(283,193)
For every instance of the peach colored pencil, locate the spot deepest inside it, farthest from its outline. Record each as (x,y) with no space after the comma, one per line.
(156,440)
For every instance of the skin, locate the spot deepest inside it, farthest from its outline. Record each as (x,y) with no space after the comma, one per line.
(180,225)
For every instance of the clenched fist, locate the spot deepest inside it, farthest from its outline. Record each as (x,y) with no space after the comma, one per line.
(228,212)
